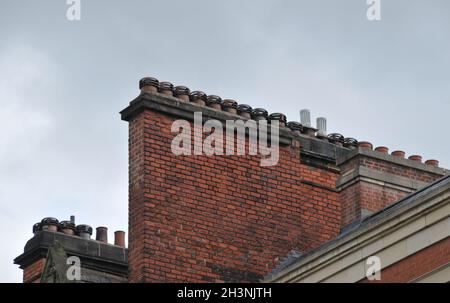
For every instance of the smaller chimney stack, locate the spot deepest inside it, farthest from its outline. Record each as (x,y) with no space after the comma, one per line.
(305,117)
(102,234)
(119,238)
(72,219)
(322,127)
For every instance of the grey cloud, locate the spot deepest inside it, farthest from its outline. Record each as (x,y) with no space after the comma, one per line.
(62,84)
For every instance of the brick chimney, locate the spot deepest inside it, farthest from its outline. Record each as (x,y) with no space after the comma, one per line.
(100,262)
(225,218)
(373,179)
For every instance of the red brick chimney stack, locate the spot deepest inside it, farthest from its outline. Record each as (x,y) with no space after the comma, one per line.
(225,218)
(97,257)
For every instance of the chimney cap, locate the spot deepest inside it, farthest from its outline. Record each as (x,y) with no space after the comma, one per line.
(50,221)
(181,90)
(148,81)
(84,228)
(351,142)
(67,225)
(365,144)
(244,108)
(195,95)
(213,99)
(36,227)
(293,125)
(432,162)
(260,112)
(278,116)
(165,86)
(229,103)
(398,153)
(416,158)
(336,137)
(382,149)
(119,238)
(102,234)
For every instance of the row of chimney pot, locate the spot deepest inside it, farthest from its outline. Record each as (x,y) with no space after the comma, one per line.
(149,84)
(83,231)
(398,153)
(152,85)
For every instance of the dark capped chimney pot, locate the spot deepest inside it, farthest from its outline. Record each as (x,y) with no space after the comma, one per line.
(214,101)
(84,231)
(67,227)
(281,118)
(245,110)
(337,139)
(230,106)
(149,84)
(50,224)
(182,92)
(198,97)
(259,114)
(351,143)
(102,234)
(166,88)
(295,127)
(36,228)
(309,131)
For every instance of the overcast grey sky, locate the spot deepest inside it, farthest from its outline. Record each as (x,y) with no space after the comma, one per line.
(63,147)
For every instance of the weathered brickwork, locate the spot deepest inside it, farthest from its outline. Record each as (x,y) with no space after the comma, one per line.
(398,170)
(32,273)
(365,196)
(226,218)
(220,218)
(350,198)
(137,207)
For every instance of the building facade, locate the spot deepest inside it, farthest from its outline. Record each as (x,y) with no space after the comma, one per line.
(226,218)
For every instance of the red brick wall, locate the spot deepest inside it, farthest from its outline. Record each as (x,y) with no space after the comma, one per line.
(226,218)
(350,198)
(219,218)
(399,170)
(375,197)
(32,274)
(137,207)
(417,264)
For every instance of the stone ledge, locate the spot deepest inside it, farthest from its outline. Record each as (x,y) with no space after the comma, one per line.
(93,254)
(363,173)
(184,110)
